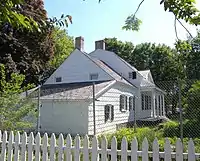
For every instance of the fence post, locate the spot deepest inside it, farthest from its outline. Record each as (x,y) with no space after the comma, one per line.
(180,110)
(38,118)
(94,120)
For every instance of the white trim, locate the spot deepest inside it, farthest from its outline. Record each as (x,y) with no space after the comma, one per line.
(98,94)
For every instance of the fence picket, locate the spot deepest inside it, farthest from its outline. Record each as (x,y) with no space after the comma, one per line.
(191,150)
(167,150)
(10,148)
(104,149)
(179,150)
(85,148)
(44,147)
(155,150)
(145,150)
(17,142)
(114,149)
(52,147)
(37,147)
(3,146)
(124,148)
(77,148)
(23,151)
(60,147)
(134,149)
(94,149)
(68,148)
(30,147)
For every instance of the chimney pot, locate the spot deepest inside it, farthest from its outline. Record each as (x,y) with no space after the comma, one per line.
(79,43)
(100,44)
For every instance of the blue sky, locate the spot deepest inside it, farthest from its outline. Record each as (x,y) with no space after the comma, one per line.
(96,21)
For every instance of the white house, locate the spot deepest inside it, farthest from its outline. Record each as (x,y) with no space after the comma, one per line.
(98,85)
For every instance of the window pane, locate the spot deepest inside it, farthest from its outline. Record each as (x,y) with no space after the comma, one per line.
(149,100)
(146,102)
(58,79)
(142,101)
(122,103)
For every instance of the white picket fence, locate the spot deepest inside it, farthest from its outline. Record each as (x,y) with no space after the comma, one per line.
(23,148)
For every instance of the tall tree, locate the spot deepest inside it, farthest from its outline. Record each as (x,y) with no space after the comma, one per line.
(10,11)
(63,46)
(14,108)
(160,59)
(25,51)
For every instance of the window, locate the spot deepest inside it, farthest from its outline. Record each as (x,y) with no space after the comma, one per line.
(146,102)
(58,79)
(132,75)
(149,102)
(142,101)
(131,103)
(123,103)
(94,76)
(109,112)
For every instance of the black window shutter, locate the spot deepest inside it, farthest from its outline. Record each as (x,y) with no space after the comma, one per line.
(112,113)
(133,75)
(121,102)
(106,110)
(130,103)
(126,100)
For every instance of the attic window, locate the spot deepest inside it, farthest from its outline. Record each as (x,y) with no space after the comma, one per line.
(94,76)
(58,79)
(132,75)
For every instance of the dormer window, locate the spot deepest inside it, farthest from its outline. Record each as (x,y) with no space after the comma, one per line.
(132,75)
(94,76)
(58,79)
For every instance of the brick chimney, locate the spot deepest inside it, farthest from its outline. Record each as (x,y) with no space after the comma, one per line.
(100,45)
(79,43)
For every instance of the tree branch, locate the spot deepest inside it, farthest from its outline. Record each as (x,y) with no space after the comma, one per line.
(138,7)
(175,28)
(185,28)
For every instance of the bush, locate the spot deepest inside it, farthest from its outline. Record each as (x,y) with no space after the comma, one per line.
(170,129)
(129,133)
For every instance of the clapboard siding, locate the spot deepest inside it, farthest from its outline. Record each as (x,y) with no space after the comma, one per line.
(77,68)
(110,97)
(64,116)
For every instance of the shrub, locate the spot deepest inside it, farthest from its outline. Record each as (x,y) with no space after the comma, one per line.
(129,133)
(170,129)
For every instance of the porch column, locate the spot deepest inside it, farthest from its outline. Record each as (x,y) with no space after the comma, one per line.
(161,108)
(153,99)
(163,105)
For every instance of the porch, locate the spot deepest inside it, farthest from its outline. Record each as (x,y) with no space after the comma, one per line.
(153,103)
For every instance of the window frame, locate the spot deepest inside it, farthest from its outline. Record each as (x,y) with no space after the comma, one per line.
(123,105)
(131,74)
(131,103)
(143,101)
(109,113)
(60,78)
(96,75)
